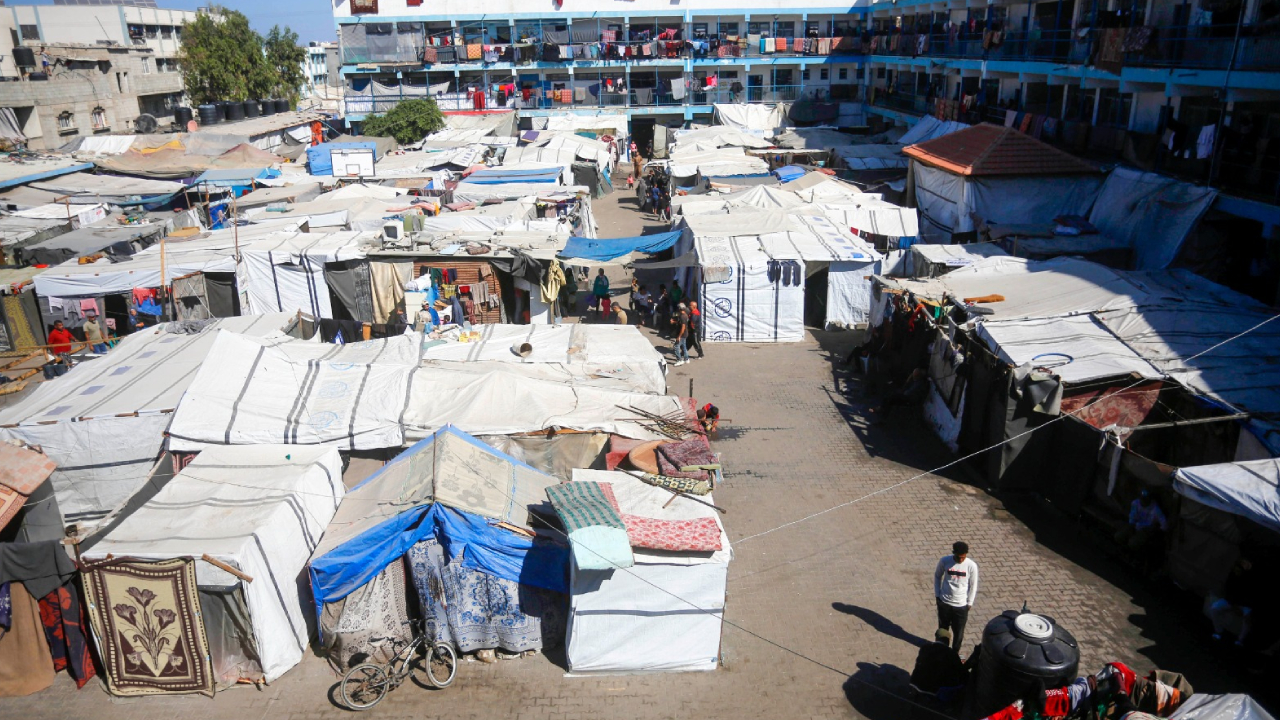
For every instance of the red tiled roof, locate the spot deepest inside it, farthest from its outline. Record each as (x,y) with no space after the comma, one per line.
(988,149)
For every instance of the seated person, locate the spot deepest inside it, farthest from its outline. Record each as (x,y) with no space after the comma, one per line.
(709,418)
(913,392)
(1234,604)
(938,665)
(1146,522)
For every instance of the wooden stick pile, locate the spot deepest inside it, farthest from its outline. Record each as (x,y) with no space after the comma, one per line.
(673,425)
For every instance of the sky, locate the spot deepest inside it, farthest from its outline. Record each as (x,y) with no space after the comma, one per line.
(311,19)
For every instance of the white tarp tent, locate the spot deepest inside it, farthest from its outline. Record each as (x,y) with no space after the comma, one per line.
(663,614)
(103,422)
(1221,707)
(286,274)
(948,202)
(1249,489)
(260,509)
(717,136)
(928,260)
(251,391)
(871,157)
(752,303)
(1077,346)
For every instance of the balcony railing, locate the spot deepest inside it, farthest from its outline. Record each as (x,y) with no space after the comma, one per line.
(408,49)
(1190,46)
(539,99)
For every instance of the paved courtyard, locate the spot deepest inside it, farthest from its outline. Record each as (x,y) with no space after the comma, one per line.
(824,616)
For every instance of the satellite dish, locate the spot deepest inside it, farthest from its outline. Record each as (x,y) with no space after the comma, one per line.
(146,124)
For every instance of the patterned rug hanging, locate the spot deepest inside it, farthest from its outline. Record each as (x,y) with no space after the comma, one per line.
(146,616)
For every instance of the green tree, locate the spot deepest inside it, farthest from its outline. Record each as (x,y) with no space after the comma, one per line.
(408,122)
(285,58)
(222,58)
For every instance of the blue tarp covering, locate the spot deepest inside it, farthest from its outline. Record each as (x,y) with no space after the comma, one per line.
(602,249)
(233,177)
(498,176)
(482,546)
(789,173)
(320,157)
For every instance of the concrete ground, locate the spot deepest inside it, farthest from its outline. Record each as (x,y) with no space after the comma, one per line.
(836,527)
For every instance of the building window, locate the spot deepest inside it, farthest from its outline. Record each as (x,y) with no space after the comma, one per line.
(784,29)
(844,73)
(805,75)
(757,28)
(136,32)
(66,122)
(166,31)
(153,31)
(146,66)
(99,119)
(824,74)
(728,28)
(364,7)
(30,32)
(811,27)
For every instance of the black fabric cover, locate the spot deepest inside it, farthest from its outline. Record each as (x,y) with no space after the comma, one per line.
(220,291)
(350,283)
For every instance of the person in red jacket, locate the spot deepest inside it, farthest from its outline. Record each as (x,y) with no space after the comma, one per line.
(60,339)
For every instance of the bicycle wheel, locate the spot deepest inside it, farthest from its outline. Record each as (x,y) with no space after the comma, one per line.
(443,667)
(364,685)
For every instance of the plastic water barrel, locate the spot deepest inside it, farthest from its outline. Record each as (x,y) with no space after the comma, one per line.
(182,116)
(282,105)
(208,115)
(1020,650)
(250,108)
(235,111)
(268,106)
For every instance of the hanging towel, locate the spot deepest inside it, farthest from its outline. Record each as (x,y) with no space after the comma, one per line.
(644,96)
(677,90)
(780,44)
(580,94)
(89,304)
(475,51)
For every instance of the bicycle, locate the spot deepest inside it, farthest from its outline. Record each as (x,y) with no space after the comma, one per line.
(366,684)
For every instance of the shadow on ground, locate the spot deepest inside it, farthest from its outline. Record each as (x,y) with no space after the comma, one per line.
(880,623)
(883,692)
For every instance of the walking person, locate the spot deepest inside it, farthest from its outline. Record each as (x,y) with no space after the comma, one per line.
(95,334)
(955,585)
(600,293)
(695,328)
(662,311)
(682,335)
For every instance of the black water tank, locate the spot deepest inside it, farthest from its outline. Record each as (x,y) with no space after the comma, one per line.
(24,57)
(250,108)
(209,114)
(268,106)
(1018,651)
(219,111)
(282,105)
(235,111)
(182,116)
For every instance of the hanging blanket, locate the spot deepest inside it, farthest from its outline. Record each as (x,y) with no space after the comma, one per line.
(369,625)
(474,610)
(597,535)
(147,616)
(684,485)
(696,535)
(673,456)
(63,620)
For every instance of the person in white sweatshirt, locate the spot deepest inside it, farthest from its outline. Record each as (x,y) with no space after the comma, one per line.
(955,585)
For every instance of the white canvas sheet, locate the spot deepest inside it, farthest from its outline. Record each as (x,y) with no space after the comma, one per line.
(723,162)
(748,307)
(929,128)
(72,280)
(506,400)
(1092,350)
(260,509)
(103,422)
(664,614)
(1153,213)
(713,137)
(767,118)
(607,356)
(477,193)
(871,157)
(251,391)
(1043,289)
(1249,489)
(849,293)
(952,256)
(617,125)
(948,202)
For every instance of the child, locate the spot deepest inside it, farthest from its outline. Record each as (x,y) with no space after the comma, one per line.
(631,182)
